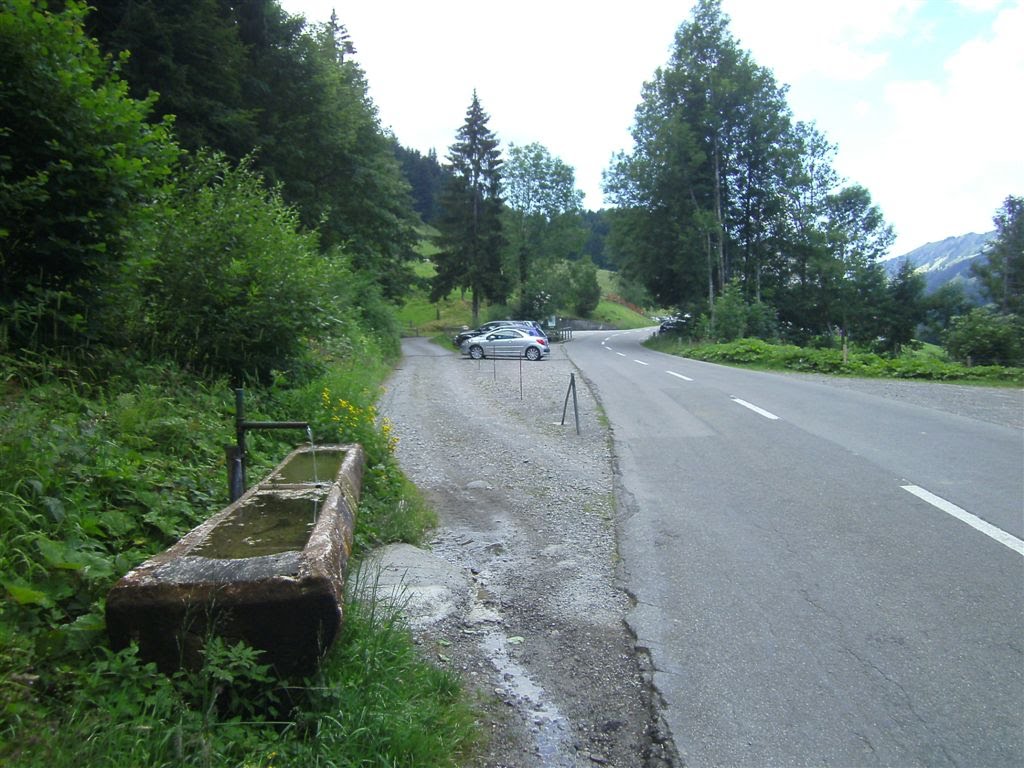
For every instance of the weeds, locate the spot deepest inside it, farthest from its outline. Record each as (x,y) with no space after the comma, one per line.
(104,463)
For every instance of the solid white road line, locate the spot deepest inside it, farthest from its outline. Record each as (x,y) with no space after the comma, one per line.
(679,375)
(1004,538)
(755,409)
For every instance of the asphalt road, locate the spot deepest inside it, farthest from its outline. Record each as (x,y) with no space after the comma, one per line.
(823,577)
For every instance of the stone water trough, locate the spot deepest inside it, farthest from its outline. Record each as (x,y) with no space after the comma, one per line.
(268,569)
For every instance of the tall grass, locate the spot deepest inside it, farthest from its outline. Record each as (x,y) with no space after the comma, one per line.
(373,702)
(106,461)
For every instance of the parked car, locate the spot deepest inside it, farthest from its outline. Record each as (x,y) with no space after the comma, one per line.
(527,325)
(675,325)
(506,342)
(533,324)
(484,329)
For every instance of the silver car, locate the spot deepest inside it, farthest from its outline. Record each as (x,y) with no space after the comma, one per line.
(506,342)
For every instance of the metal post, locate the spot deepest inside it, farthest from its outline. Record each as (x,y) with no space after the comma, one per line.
(240,437)
(236,485)
(575,403)
(236,454)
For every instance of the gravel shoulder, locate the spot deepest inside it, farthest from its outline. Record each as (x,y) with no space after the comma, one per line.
(517,592)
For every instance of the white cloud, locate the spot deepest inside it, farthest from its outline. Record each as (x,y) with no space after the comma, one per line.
(978,6)
(810,38)
(953,150)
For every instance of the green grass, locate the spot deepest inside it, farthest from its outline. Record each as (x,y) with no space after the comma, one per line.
(619,316)
(422,317)
(105,461)
(927,364)
(374,701)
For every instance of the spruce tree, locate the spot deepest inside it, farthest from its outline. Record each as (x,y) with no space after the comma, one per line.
(470,223)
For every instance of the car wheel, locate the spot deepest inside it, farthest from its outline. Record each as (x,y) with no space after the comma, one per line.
(476,352)
(532,353)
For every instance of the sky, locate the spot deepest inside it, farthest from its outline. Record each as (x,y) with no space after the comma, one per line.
(923,98)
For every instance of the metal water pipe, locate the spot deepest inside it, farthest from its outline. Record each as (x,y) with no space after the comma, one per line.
(236,453)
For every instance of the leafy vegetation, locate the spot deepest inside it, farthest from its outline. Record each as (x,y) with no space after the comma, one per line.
(248,80)
(141,283)
(760,354)
(76,158)
(104,466)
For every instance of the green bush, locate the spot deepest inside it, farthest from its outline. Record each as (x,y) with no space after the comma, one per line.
(760,354)
(985,337)
(730,318)
(105,463)
(220,278)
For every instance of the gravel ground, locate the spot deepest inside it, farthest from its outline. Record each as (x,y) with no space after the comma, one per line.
(517,592)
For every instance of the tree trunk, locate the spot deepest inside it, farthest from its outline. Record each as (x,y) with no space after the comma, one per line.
(711,281)
(718,219)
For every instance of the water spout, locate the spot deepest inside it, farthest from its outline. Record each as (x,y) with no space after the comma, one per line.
(236,454)
(312,449)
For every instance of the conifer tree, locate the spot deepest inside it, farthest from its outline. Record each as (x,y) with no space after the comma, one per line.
(470,223)
(1002,273)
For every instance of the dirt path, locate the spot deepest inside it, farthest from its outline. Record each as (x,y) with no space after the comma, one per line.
(517,592)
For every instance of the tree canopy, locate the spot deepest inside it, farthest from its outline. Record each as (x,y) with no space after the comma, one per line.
(1002,272)
(543,209)
(723,184)
(113,233)
(248,79)
(77,156)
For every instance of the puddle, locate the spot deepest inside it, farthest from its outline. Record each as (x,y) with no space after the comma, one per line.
(265,525)
(549,728)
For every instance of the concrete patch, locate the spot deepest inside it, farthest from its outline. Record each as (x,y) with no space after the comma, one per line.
(428,587)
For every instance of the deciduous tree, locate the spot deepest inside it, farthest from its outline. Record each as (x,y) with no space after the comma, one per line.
(76,156)
(702,194)
(544,208)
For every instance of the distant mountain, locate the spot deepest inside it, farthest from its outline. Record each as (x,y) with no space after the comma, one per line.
(946,261)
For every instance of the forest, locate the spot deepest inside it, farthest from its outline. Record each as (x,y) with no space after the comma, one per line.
(199,196)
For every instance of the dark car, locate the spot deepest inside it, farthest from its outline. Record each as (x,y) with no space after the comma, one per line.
(676,325)
(486,328)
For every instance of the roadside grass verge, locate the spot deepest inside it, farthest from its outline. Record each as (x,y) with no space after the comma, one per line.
(618,315)
(755,353)
(105,461)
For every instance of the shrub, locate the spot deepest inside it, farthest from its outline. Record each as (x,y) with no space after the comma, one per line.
(755,352)
(220,279)
(986,337)
(730,318)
